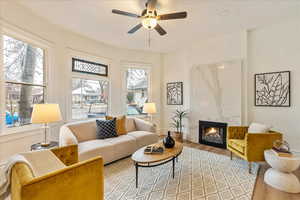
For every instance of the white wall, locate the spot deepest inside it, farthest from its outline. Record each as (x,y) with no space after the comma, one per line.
(61,43)
(178,65)
(265,49)
(277,48)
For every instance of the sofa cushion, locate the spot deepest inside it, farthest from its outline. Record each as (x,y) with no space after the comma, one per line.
(106,128)
(143,138)
(124,145)
(130,125)
(83,131)
(120,124)
(238,145)
(92,148)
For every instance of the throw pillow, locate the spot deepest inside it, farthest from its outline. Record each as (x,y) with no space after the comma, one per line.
(120,124)
(106,128)
(258,128)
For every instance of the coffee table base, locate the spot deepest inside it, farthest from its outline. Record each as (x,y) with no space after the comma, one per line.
(137,165)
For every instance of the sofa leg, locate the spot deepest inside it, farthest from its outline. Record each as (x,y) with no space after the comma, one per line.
(249,166)
(230,155)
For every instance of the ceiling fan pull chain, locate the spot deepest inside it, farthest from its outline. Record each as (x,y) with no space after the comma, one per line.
(149,39)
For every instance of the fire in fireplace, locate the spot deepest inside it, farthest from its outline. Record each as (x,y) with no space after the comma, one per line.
(212,133)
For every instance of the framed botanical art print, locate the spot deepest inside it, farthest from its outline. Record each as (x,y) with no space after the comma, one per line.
(175,93)
(273,89)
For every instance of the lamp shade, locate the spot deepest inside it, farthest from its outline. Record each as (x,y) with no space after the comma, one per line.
(149,108)
(45,113)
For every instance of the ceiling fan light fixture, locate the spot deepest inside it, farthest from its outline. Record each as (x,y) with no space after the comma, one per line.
(149,22)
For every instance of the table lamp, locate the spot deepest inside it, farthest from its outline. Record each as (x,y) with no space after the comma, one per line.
(45,114)
(150,109)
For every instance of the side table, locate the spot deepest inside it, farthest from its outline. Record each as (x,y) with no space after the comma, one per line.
(280,176)
(38,146)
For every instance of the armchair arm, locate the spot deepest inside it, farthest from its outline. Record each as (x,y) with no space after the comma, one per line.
(258,142)
(236,132)
(142,125)
(83,180)
(67,154)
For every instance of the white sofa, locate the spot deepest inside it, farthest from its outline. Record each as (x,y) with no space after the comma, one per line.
(140,133)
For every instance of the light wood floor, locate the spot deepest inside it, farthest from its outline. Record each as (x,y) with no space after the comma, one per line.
(261,191)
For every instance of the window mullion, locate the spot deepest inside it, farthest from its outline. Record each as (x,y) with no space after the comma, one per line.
(2,87)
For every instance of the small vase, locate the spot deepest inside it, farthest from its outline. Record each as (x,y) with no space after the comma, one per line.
(168,141)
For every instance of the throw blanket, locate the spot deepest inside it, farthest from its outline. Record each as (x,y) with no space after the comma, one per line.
(40,163)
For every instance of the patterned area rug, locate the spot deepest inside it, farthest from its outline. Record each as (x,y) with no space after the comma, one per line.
(199,175)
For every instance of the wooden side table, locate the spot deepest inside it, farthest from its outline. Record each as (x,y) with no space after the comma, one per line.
(280,176)
(38,146)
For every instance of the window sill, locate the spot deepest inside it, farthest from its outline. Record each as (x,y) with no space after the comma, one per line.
(21,129)
(137,116)
(17,133)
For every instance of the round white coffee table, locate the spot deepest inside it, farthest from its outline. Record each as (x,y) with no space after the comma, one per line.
(280,176)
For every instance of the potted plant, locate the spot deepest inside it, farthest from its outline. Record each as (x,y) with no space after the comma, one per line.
(177,124)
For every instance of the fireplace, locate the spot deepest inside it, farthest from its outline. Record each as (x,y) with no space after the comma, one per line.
(212,133)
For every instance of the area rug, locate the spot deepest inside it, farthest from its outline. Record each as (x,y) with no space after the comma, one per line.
(199,175)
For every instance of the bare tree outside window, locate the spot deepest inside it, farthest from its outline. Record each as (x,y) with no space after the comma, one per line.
(89,98)
(137,90)
(24,77)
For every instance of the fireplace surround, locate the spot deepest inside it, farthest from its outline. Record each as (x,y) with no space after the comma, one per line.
(213,133)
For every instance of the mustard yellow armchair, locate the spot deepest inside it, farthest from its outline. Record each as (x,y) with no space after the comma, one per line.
(83,180)
(249,146)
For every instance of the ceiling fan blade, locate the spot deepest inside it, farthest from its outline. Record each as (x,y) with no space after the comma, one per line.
(151,4)
(134,29)
(178,15)
(120,12)
(160,30)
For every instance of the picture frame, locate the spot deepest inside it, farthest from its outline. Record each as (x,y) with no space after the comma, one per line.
(175,93)
(273,89)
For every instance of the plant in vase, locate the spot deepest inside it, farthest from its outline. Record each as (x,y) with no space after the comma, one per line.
(177,124)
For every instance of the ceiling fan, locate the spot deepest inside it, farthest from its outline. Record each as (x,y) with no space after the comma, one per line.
(150,17)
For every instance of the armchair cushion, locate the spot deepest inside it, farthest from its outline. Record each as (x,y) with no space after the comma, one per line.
(238,145)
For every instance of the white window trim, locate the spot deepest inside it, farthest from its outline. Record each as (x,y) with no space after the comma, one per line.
(34,40)
(88,57)
(135,65)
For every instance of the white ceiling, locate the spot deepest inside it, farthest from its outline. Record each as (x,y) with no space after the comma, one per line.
(206,18)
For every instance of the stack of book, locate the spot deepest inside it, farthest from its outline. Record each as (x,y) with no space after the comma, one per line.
(153,150)
(282,152)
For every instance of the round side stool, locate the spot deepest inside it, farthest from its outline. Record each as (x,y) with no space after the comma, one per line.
(280,176)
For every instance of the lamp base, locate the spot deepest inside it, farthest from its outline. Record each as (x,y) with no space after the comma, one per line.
(44,144)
